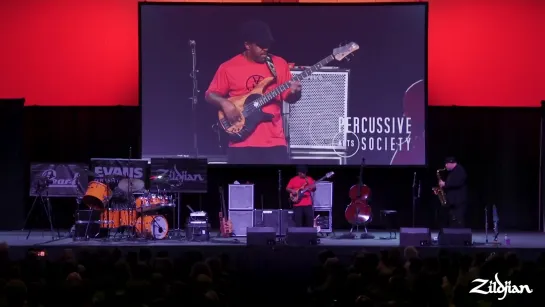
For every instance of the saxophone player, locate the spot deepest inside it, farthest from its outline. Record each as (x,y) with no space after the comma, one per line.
(456,194)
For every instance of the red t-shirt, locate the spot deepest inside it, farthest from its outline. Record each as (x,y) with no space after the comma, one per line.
(298,182)
(238,76)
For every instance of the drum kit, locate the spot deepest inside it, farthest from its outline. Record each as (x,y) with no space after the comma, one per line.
(125,206)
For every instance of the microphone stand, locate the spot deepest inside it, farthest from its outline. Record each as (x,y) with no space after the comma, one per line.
(415,196)
(495,218)
(486,224)
(193,98)
(280,189)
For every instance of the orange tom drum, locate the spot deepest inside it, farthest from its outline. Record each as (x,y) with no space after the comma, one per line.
(155,226)
(109,218)
(97,195)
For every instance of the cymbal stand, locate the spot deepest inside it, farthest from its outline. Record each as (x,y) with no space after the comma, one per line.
(42,189)
(134,234)
(177,231)
(193,98)
(107,206)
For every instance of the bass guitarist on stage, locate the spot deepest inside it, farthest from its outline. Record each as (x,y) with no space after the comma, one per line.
(303,212)
(239,76)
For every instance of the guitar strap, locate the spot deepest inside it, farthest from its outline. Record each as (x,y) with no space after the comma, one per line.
(270,64)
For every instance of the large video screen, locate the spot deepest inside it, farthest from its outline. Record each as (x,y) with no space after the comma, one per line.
(306,84)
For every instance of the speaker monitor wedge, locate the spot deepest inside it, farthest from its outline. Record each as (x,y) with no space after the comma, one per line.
(409,236)
(260,236)
(301,236)
(455,237)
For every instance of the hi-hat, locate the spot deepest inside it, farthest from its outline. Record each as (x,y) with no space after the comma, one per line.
(131,184)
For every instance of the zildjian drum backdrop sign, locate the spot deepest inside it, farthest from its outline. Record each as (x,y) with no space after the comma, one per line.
(179,175)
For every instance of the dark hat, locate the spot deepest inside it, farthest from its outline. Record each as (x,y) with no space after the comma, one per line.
(450,160)
(257,32)
(302,169)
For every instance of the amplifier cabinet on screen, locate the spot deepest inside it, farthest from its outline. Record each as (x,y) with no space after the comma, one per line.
(313,122)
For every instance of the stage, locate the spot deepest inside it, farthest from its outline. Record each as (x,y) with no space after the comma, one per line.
(528,245)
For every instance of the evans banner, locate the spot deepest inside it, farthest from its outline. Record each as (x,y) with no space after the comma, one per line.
(111,171)
(58,179)
(179,175)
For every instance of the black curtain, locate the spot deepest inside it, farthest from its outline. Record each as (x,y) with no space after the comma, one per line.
(12,164)
(499,147)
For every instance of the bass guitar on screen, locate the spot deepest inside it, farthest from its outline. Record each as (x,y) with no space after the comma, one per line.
(251,104)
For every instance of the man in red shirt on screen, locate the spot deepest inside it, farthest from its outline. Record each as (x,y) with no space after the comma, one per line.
(238,76)
(303,212)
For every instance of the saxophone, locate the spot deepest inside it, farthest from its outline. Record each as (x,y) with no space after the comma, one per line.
(439,190)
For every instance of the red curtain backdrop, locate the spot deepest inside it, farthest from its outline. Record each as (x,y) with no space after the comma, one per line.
(85,52)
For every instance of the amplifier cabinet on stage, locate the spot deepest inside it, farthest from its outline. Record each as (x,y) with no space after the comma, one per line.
(241,219)
(455,237)
(323,196)
(325,219)
(267,218)
(414,236)
(241,197)
(286,221)
(313,123)
(301,236)
(261,236)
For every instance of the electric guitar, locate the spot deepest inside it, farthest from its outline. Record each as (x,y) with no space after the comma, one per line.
(226,226)
(298,195)
(318,228)
(250,105)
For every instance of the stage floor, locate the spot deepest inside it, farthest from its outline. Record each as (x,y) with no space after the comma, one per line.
(529,242)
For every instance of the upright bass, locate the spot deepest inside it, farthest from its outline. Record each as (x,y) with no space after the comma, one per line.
(359,212)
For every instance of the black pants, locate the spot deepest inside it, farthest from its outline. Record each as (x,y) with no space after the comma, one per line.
(303,216)
(452,216)
(258,155)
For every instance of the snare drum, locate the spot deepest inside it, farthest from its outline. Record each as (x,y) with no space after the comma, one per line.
(155,226)
(110,218)
(127,217)
(97,195)
(156,200)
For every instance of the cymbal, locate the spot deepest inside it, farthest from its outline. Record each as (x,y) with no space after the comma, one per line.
(134,184)
(159,178)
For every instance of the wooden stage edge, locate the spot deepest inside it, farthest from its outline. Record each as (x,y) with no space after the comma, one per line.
(529,245)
